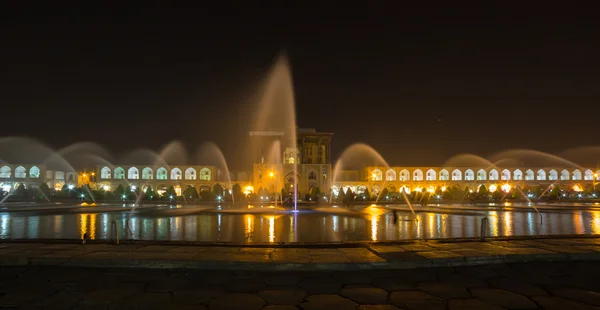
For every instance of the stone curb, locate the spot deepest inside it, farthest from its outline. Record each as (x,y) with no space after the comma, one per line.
(22,260)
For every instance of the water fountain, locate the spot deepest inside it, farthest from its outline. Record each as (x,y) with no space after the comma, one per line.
(277,109)
(209,153)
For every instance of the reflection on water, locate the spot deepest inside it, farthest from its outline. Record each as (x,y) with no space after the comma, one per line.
(374,224)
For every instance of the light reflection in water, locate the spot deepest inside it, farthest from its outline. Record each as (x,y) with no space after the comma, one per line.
(374,227)
(271,228)
(302,226)
(335,223)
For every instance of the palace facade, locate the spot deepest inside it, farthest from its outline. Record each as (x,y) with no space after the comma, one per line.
(30,176)
(416,179)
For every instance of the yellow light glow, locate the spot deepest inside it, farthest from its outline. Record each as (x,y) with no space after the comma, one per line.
(84,175)
(431,189)
(374,227)
(418,189)
(271,229)
(271,174)
(506,188)
(106,188)
(444,188)
(248,189)
(493,188)
(93,173)
(374,176)
(577,188)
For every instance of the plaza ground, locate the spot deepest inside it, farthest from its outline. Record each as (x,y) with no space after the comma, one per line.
(559,273)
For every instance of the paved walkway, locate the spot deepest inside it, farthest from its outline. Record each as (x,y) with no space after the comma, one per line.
(548,285)
(352,257)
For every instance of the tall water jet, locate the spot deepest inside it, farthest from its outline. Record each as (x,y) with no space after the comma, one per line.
(277,110)
(534,158)
(210,153)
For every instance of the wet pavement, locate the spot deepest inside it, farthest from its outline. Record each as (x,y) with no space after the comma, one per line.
(536,285)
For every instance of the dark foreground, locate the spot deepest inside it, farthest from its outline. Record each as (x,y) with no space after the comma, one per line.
(539,285)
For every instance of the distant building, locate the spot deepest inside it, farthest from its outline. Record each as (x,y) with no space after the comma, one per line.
(33,175)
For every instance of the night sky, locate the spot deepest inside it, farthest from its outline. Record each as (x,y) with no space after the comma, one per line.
(419,85)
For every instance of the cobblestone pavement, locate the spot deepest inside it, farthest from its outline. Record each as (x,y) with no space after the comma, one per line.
(548,285)
(350,257)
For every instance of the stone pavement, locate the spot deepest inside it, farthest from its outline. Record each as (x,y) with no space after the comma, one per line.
(375,256)
(547,285)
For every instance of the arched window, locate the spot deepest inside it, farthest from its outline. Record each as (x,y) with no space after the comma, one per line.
(553,175)
(418,175)
(205,174)
(34,172)
(529,175)
(517,175)
(565,175)
(541,175)
(133,173)
(119,173)
(576,175)
(469,175)
(105,173)
(589,175)
(175,174)
(404,175)
(376,175)
(481,175)
(20,172)
(390,175)
(493,175)
(190,174)
(444,175)
(161,173)
(5,172)
(505,175)
(431,175)
(147,174)
(456,175)
(312,175)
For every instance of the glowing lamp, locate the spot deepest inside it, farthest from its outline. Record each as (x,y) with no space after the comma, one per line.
(493,188)
(506,188)
(577,188)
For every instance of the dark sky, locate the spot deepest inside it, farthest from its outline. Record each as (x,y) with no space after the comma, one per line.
(418,84)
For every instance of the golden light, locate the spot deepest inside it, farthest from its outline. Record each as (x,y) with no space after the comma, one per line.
(431,189)
(106,188)
(506,188)
(444,188)
(418,189)
(271,174)
(595,175)
(577,188)
(374,176)
(84,175)
(93,173)
(248,189)
(493,188)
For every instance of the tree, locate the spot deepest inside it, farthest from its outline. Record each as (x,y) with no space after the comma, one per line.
(482,192)
(236,191)
(555,192)
(190,192)
(384,194)
(20,192)
(45,190)
(217,191)
(119,191)
(149,193)
(315,193)
(366,194)
(170,193)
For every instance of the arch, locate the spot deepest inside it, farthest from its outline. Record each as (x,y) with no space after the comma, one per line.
(469,175)
(119,173)
(205,174)
(588,175)
(190,173)
(565,175)
(312,175)
(444,175)
(553,175)
(517,175)
(481,175)
(376,175)
(5,172)
(176,175)
(162,173)
(20,172)
(505,175)
(147,174)
(105,173)
(418,175)
(456,175)
(390,175)
(404,175)
(133,173)
(431,175)
(529,175)
(178,191)
(493,175)
(576,175)
(541,175)
(34,172)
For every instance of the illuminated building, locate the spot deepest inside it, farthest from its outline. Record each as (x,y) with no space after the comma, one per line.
(13,175)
